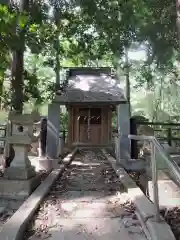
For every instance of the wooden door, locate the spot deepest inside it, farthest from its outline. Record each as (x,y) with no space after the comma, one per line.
(90,125)
(83,125)
(95,126)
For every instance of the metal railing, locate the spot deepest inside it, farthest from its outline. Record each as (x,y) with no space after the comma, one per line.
(169,132)
(171,165)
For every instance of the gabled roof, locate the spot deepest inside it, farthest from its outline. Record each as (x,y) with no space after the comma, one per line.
(90,86)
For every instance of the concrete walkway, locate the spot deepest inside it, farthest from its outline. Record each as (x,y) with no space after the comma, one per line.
(86,203)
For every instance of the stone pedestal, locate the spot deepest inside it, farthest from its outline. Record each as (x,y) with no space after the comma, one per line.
(123,142)
(18,189)
(19,173)
(53,129)
(60,147)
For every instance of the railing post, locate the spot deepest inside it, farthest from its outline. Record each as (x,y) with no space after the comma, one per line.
(169,136)
(64,135)
(155,181)
(134,144)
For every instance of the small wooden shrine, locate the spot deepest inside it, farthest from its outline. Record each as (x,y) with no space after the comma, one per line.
(91,96)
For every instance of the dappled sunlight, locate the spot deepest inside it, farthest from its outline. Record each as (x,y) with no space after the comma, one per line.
(79,163)
(51,128)
(101,83)
(97,218)
(101,221)
(34,162)
(67,158)
(91,87)
(104,228)
(86,202)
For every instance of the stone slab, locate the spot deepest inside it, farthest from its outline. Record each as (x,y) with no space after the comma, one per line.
(45,164)
(15,227)
(18,189)
(169,193)
(143,205)
(159,231)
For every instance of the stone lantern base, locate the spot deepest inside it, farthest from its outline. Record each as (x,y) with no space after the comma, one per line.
(19,181)
(18,189)
(19,173)
(20,178)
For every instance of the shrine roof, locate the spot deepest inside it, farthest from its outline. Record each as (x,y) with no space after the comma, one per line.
(91,87)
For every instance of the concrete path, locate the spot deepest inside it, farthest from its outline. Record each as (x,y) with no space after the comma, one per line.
(86,203)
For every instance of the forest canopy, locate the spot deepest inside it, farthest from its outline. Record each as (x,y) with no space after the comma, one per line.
(38,38)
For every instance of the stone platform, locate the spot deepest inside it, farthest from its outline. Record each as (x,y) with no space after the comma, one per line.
(44,164)
(169,194)
(18,189)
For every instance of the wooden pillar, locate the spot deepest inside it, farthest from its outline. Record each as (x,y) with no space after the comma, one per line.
(134,144)
(109,125)
(108,110)
(77,124)
(70,125)
(102,125)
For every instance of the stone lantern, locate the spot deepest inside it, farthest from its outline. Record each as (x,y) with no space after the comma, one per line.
(20,178)
(21,139)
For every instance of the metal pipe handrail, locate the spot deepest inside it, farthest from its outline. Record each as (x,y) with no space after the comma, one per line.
(170,162)
(141,137)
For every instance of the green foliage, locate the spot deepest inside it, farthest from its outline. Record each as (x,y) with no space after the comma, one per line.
(95,33)
(64,121)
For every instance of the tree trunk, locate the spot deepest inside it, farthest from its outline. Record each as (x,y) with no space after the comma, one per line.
(57,64)
(1,91)
(178,17)
(18,65)
(128,91)
(17,82)
(57,45)
(127,74)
